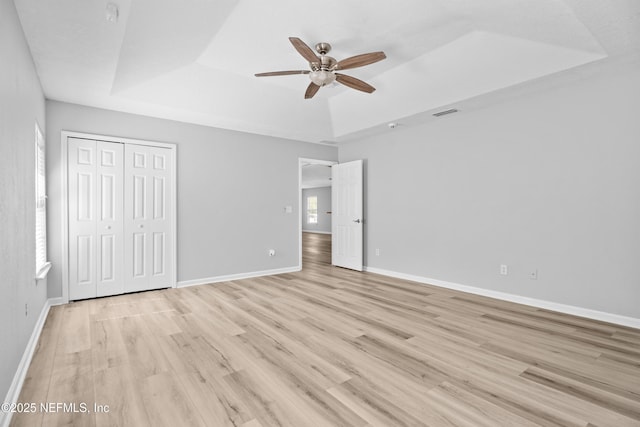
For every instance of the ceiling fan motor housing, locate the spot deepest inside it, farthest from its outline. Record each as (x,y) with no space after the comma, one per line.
(322,71)
(326,63)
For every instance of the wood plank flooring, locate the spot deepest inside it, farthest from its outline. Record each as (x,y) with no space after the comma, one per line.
(329,347)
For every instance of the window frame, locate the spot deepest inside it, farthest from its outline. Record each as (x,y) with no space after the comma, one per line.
(312,218)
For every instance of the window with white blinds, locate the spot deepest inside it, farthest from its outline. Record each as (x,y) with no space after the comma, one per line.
(41,205)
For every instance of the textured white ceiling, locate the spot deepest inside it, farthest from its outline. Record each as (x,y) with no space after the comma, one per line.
(194,60)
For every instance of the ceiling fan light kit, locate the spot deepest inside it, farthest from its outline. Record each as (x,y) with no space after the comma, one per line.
(322,77)
(323,68)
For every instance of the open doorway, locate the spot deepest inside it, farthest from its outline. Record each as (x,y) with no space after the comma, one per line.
(315,212)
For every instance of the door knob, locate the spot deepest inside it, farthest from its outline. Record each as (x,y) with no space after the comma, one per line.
(357,220)
(141,226)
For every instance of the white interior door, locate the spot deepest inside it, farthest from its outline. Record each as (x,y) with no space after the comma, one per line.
(148,219)
(347,220)
(95,218)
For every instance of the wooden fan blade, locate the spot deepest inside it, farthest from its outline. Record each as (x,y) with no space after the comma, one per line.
(282,73)
(304,50)
(312,89)
(354,83)
(360,60)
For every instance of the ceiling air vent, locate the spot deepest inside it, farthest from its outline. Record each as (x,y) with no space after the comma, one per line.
(445,112)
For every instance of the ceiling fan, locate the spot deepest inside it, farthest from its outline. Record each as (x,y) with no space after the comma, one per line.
(323,68)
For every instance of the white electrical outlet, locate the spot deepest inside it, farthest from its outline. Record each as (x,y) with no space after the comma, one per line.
(504,269)
(272,252)
(533,274)
(377,251)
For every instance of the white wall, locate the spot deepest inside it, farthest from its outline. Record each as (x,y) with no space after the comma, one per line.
(324,205)
(232,190)
(549,181)
(21,105)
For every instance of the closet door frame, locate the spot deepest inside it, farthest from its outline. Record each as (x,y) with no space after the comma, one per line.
(64,140)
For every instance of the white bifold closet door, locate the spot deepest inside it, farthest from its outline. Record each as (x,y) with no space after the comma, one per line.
(119,220)
(147,227)
(96,221)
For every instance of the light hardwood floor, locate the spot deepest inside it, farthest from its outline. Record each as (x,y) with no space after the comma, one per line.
(330,347)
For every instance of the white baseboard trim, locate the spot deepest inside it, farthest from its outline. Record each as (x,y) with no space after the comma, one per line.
(13,394)
(534,302)
(316,231)
(239,276)
(57,301)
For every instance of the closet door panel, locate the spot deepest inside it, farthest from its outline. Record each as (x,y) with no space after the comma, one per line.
(96,223)
(147,218)
(136,221)
(110,221)
(160,221)
(81,156)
